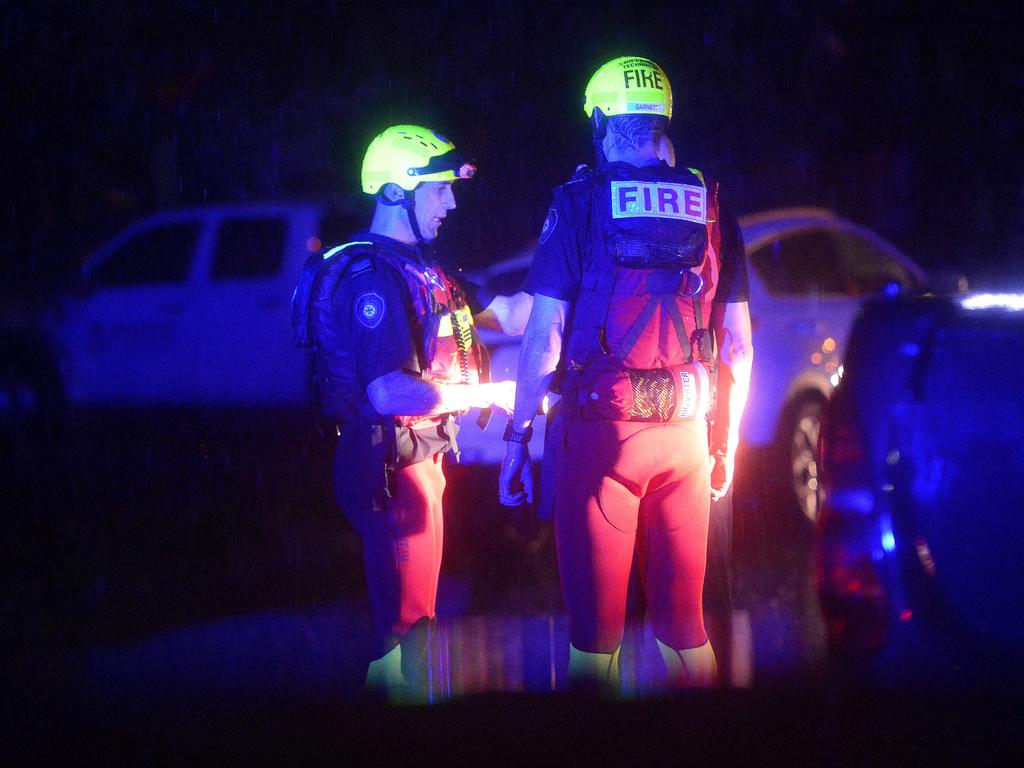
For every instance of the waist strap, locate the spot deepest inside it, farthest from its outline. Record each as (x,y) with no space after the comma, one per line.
(659,395)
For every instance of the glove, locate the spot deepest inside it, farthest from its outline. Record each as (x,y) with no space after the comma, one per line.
(515,483)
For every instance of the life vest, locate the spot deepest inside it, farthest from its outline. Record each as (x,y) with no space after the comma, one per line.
(638,345)
(451,350)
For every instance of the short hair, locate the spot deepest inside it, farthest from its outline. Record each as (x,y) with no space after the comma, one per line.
(636,130)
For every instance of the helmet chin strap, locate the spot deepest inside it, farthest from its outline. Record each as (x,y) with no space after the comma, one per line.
(599,126)
(408,202)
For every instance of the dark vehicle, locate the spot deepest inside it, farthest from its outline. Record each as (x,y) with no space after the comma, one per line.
(919,567)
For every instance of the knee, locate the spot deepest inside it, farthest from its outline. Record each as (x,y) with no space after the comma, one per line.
(596,639)
(679,633)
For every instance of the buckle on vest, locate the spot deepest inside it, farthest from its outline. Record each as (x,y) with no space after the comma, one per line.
(702,345)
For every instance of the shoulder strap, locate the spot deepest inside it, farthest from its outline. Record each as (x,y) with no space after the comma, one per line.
(702,344)
(304,289)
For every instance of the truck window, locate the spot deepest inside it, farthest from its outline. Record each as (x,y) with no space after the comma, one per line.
(869,269)
(249,248)
(162,254)
(802,264)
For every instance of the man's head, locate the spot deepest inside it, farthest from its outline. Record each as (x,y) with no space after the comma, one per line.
(430,203)
(412,168)
(627,134)
(629,100)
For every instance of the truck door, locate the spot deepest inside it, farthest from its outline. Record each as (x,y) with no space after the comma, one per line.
(130,338)
(799,327)
(246,354)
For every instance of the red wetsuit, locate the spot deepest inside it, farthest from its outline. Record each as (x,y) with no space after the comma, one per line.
(624,486)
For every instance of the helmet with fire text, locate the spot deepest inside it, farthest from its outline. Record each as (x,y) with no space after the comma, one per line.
(407,155)
(628,85)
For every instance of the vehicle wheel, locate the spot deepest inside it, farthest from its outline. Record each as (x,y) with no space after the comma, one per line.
(800,455)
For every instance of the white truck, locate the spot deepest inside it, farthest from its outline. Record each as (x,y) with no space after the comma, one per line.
(192,308)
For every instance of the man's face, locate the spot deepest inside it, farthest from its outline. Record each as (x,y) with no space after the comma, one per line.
(433,201)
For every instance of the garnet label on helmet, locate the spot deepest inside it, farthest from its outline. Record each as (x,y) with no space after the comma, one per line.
(636,106)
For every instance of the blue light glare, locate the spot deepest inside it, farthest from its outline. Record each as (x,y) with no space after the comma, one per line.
(910,349)
(888,540)
(852,500)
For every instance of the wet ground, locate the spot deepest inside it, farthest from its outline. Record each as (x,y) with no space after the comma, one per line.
(173,566)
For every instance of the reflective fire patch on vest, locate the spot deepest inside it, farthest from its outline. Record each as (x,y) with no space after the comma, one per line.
(659,200)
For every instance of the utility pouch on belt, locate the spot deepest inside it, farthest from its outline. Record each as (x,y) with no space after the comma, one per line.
(382,463)
(610,392)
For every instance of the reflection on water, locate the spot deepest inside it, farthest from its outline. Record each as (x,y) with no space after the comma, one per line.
(319,656)
(192,563)
(483,654)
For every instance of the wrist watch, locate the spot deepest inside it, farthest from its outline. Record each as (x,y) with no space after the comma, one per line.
(512,435)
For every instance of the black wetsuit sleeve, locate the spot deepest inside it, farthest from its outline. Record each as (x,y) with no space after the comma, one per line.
(557,263)
(733,285)
(374,309)
(477,296)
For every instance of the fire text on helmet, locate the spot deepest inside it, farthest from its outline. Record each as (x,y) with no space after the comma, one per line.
(638,73)
(643,78)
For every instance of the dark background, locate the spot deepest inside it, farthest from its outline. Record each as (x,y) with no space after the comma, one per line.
(905,119)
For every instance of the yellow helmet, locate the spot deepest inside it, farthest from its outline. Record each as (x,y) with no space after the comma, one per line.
(629,85)
(407,155)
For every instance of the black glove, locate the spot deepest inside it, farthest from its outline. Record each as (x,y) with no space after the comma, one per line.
(515,483)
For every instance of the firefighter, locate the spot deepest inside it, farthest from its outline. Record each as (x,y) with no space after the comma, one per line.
(398,357)
(640,286)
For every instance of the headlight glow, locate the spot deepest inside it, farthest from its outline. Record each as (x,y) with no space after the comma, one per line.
(1011,301)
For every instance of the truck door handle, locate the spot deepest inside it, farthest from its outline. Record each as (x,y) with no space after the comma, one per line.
(271,302)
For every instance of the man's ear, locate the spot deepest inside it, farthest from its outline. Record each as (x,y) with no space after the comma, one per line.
(608,143)
(392,192)
(666,151)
